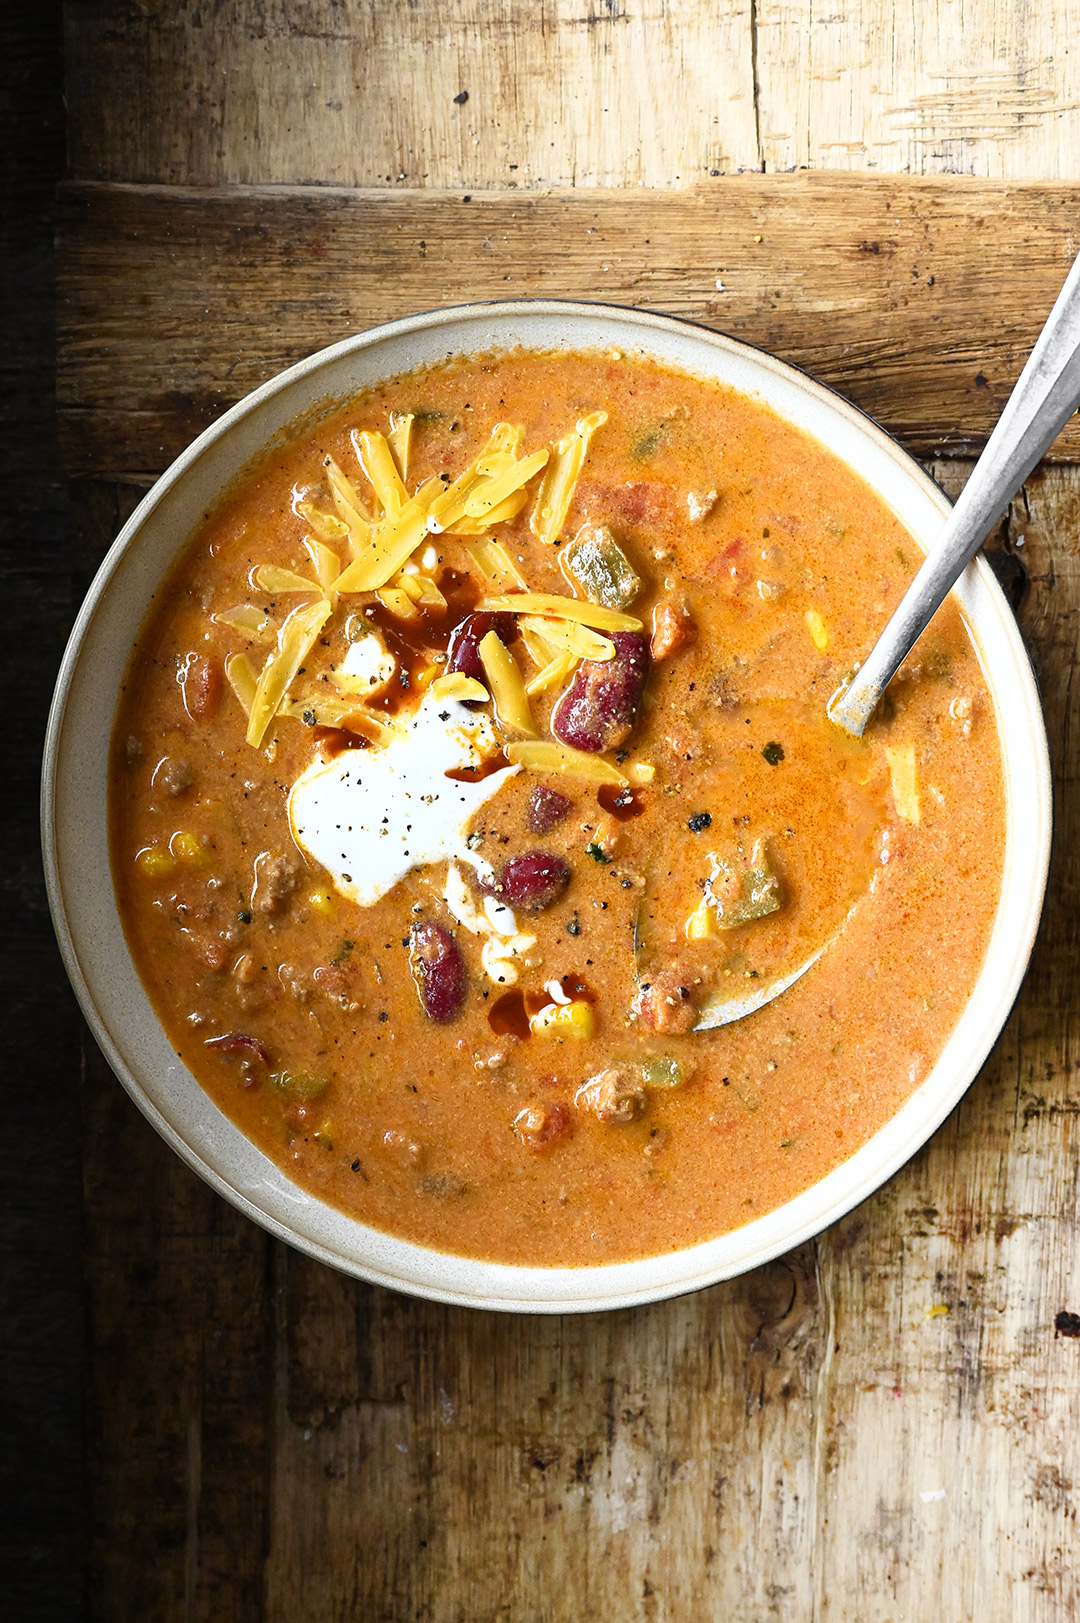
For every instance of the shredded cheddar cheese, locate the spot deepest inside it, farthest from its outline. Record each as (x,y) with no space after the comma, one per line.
(294,643)
(456,685)
(325,561)
(904,781)
(398,602)
(553,674)
(273,580)
(500,487)
(384,536)
(507,685)
(398,439)
(242,679)
(508,509)
(254,623)
(388,545)
(327,526)
(546,756)
(551,605)
(350,509)
(492,560)
(557,486)
(570,637)
(377,461)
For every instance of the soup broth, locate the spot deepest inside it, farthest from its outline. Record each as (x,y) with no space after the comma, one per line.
(476,749)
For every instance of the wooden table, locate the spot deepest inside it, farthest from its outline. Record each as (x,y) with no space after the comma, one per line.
(881,1425)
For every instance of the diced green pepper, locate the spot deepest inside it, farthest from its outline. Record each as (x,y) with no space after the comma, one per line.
(601,568)
(741,891)
(648,443)
(298,1084)
(661,1071)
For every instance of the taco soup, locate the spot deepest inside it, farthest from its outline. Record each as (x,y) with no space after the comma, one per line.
(475,754)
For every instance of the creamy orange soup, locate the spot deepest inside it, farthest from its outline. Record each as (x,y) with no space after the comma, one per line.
(474,757)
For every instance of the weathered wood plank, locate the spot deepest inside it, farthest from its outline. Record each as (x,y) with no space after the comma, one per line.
(510,1467)
(917,299)
(41,1487)
(179,1391)
(759,1450)
(952,1447)
(564,92)
(920,88)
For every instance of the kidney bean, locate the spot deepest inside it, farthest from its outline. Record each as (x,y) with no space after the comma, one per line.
(546,809)
(531,881)
(463,652)
(439,971)
(599,708)
(237,1042)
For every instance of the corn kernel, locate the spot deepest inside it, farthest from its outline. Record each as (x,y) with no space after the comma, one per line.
(561,1020)
(399,603)
(188,849)
(816,627)
(701,925)
(410,585)
(426,676)
(430,596)
(456,685)
(154,863)
(321,900)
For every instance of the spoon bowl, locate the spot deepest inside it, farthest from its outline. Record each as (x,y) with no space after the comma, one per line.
(724,1011)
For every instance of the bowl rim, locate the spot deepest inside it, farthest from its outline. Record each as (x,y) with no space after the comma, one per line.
(510,1287)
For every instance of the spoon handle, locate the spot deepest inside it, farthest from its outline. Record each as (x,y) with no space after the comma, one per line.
(1047,393)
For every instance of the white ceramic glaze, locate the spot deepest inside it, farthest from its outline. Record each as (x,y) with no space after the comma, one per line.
(76,843)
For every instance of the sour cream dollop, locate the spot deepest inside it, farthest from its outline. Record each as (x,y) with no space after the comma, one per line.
(371,816)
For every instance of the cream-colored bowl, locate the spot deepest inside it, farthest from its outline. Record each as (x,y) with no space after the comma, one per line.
(75,805)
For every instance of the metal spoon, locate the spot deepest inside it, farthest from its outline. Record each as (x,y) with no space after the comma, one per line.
(721,1010)
(1045,397)
(1047,393)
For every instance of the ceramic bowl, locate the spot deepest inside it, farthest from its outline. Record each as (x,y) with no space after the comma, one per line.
(75,804)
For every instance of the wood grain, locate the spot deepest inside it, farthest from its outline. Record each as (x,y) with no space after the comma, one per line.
(883,1424)
(41,1488)
(180,1362)
(567,92)
(917,299)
